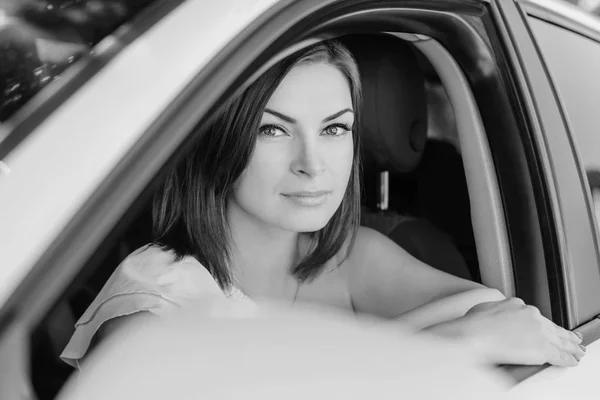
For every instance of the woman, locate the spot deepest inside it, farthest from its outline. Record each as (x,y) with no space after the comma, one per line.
(266,205)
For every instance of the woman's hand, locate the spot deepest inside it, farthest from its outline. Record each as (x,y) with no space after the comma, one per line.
(510,332)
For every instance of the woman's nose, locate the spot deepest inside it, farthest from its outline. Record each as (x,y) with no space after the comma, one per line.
(309,160)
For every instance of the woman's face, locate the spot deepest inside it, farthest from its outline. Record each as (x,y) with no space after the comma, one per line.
(298,173)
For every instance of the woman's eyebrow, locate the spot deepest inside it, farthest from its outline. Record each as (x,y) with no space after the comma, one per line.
(281,116)
(337,114)
(293,121)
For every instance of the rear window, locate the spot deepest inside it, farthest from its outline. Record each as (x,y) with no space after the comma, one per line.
(41,39)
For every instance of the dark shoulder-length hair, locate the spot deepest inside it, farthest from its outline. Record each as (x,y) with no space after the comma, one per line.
(189,211)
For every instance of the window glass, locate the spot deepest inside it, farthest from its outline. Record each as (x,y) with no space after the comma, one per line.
(40,39)
(574,63)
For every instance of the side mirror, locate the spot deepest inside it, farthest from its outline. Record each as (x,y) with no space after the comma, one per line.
(593,177)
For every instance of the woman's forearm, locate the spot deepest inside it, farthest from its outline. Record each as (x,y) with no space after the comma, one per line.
(434,315)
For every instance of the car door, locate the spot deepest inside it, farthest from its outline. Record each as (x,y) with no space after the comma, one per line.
(558,51)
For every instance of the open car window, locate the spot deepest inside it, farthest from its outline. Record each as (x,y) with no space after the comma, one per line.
(41,39)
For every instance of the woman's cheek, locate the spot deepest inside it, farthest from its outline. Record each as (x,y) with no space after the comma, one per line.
(345,156)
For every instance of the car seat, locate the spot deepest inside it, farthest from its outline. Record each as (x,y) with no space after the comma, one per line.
(393,129)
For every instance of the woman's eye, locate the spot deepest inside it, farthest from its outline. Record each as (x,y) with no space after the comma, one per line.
(337,130)
(271,130)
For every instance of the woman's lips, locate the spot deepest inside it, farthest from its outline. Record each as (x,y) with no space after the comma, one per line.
(307,198)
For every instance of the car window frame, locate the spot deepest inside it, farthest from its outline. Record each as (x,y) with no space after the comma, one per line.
(538,100)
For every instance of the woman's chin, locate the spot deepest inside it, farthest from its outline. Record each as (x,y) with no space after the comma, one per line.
(305,225)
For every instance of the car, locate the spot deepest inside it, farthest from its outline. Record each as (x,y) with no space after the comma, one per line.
(102,99)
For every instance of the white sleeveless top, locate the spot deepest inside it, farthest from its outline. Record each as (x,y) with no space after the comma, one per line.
(149,279)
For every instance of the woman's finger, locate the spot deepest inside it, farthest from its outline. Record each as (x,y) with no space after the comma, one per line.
(573,348)
(552,328)
(566,334)
(563,341)
(561,358)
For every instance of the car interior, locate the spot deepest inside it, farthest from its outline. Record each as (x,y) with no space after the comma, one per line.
(417,178)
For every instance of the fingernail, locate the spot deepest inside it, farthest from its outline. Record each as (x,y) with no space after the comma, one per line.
(582,347)
(577,358)
(579,335)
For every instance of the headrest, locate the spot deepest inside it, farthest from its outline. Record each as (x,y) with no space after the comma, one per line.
(394,111)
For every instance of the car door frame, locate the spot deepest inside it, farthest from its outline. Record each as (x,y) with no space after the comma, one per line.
(578,281)
(588,273)
(574,285)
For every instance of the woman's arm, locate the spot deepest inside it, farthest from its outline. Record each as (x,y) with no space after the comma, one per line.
(386,281)
(432,315)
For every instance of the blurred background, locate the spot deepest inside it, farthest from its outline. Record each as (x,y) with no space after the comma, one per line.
(40,39)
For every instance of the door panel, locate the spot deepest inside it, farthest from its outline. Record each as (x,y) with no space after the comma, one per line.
(572,60)
(574,232)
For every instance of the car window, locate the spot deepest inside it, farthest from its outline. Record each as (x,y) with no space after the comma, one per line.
(41,39)
(573,61)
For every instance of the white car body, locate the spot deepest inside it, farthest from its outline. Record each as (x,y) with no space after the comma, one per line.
(49,177)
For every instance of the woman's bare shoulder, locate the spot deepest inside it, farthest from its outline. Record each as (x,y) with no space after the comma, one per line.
(386,280)
(365,257)
(368,246)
